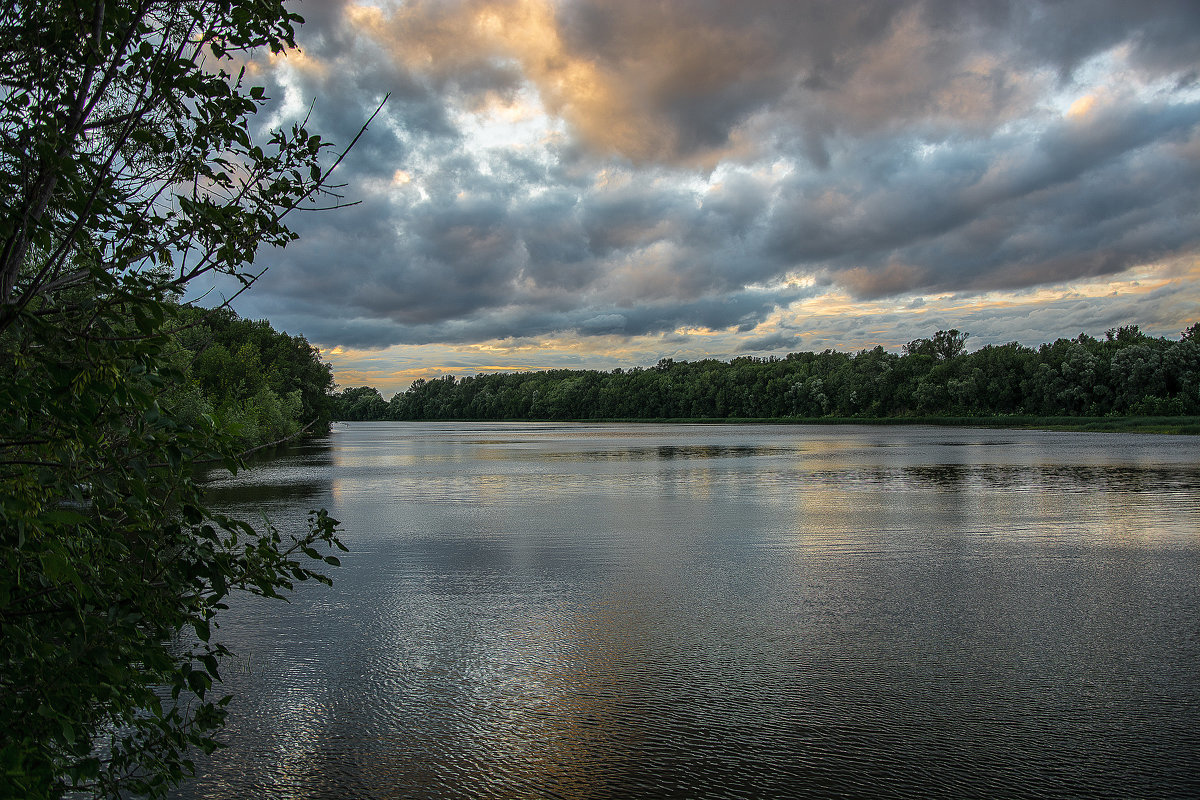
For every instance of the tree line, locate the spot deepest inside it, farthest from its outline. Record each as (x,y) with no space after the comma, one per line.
(1124,373)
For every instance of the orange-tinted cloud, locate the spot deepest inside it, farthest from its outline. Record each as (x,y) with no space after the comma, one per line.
(462,41)
(678,174)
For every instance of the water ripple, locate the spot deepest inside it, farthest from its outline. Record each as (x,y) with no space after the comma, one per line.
(606,611)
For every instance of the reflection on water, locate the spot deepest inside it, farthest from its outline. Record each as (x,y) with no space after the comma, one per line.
(661,452)
(731,611)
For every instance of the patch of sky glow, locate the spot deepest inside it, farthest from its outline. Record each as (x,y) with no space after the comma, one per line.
(1088,78)
(721,174)
(831,310)
(382,5)
(776,170)
(500,124)
(287,69)
(612,178)
(1180,94)
(290,106)
(928,151)
(791,280)
(1108,77)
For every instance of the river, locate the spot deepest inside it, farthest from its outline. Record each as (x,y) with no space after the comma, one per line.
(592,610)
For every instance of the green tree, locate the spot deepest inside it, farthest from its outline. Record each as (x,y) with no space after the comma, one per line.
(266,384)
(128,172)
(360,403)
(943,346)
(1128,372)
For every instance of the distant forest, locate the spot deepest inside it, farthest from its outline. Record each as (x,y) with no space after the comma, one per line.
(1127,373)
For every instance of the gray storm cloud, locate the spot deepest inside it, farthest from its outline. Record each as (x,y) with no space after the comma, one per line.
(693,159)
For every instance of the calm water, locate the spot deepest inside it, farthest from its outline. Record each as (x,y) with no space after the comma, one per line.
(725,611)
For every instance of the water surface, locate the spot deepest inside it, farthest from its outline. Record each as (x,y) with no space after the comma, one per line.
(574,611)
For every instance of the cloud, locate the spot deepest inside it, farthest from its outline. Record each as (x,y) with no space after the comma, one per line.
(1077,198)
(714,175)
(777,341)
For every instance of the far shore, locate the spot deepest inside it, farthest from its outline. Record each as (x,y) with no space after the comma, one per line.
(1186,425)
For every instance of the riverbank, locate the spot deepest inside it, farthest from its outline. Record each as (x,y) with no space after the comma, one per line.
(1184,425)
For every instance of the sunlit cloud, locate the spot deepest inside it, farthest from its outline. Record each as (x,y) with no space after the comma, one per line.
(575,183)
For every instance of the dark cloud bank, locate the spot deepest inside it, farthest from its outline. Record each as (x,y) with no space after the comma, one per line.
(703,165)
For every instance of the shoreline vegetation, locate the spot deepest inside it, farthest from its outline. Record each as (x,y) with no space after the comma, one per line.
(1126,381)
(1182,425)
(259,385)
(136,176)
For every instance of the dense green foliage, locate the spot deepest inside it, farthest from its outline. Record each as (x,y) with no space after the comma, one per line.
(359,403)
(1127,372)
(109,553)
(256,383)
(128,171)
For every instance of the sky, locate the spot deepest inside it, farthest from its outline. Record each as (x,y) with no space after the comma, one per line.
(591,185)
